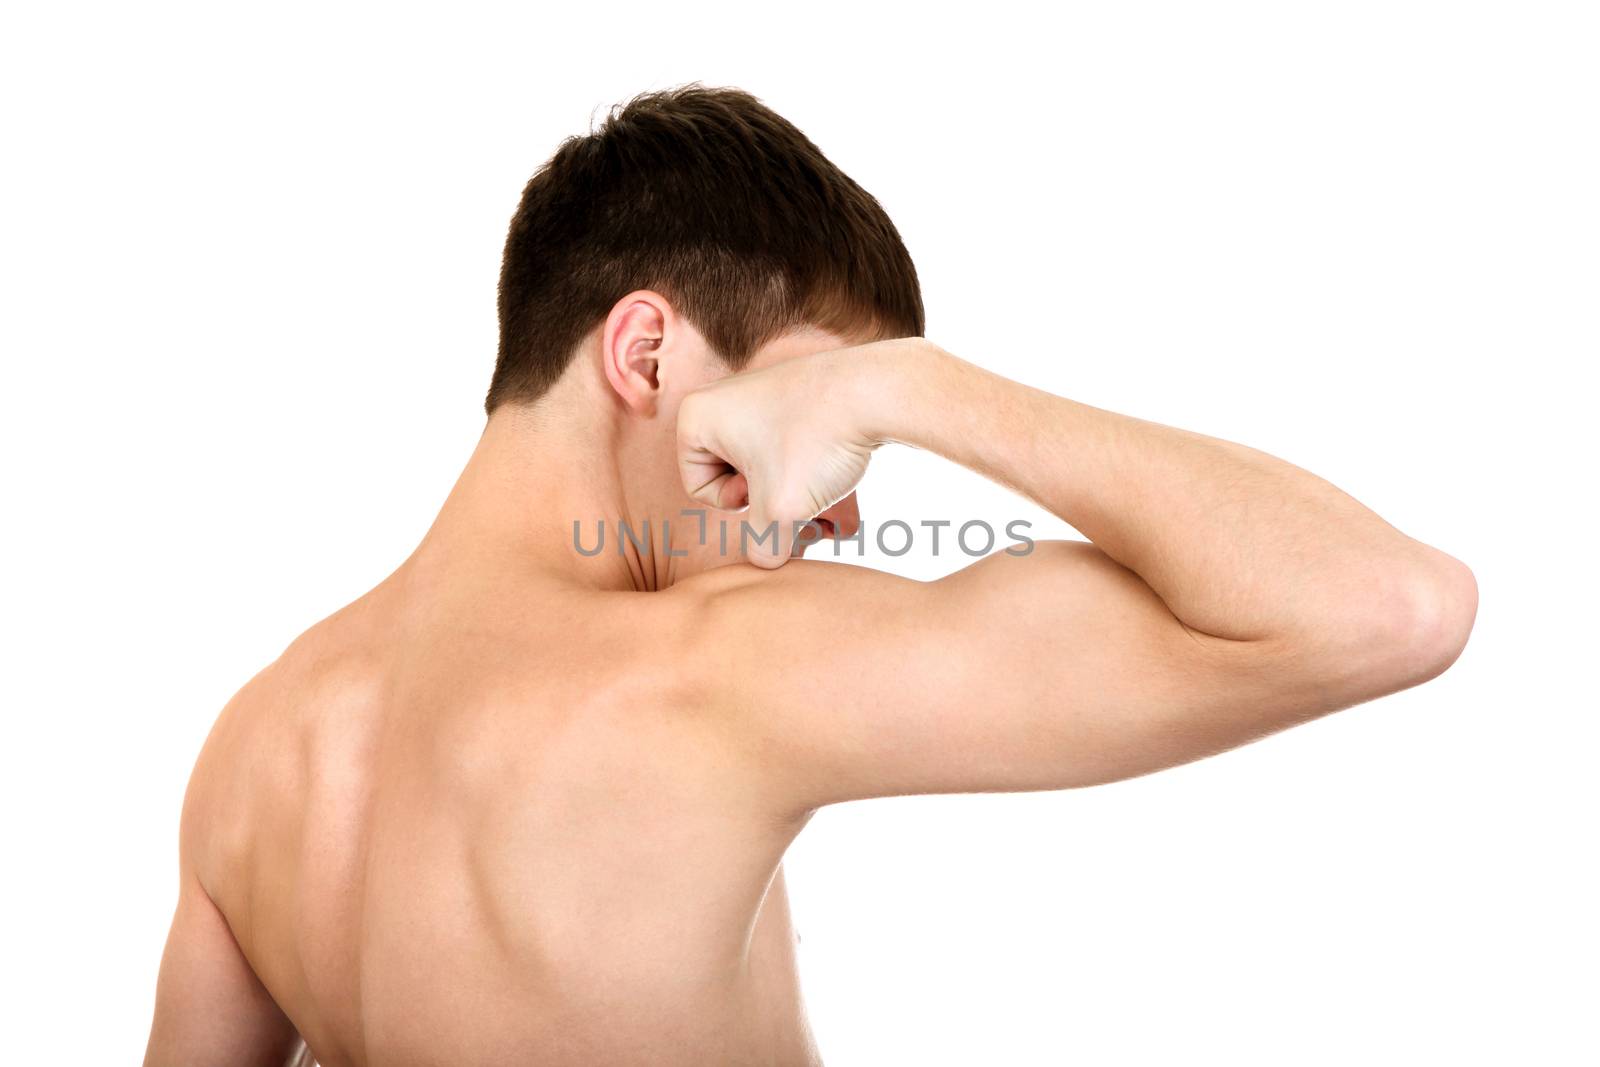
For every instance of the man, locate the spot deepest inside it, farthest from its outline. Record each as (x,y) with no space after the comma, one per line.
(528,803)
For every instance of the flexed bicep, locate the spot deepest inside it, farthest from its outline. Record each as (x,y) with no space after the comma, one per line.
(1055,669)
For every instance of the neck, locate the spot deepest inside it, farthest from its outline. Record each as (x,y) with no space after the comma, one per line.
(536,470)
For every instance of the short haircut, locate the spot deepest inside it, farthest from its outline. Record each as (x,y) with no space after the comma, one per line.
(712,199)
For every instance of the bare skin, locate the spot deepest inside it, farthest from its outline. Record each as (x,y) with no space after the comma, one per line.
(520,805)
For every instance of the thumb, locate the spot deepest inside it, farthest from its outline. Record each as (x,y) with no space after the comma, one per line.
(766,537)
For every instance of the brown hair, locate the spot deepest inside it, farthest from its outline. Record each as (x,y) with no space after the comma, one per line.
(718,203)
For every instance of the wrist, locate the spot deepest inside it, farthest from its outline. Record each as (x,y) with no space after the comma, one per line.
(896,389)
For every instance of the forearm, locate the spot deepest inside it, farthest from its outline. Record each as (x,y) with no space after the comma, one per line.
(1238,544)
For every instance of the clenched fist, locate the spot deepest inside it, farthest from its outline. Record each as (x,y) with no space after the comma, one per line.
(783,443)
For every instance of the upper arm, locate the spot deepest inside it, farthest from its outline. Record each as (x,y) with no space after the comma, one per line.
(1056,669)
(210,1006)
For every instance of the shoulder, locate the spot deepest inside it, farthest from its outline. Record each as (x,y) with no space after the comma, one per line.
(260,747)
(736,595)
(748,639)
(739,610)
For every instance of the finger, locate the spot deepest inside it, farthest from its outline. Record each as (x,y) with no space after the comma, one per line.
(767,539)
(709,480)
(733,492)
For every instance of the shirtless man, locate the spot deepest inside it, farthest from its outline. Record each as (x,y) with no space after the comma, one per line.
(520,804)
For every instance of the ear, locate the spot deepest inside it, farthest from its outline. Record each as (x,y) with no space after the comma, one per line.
(630,346)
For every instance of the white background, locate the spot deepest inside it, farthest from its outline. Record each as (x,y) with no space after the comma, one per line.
(247,270)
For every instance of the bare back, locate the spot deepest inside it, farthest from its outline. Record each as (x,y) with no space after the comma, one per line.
(435,831)
(492,813)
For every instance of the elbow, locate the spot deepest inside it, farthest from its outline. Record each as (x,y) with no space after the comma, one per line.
(1393,624)
(1427,619)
